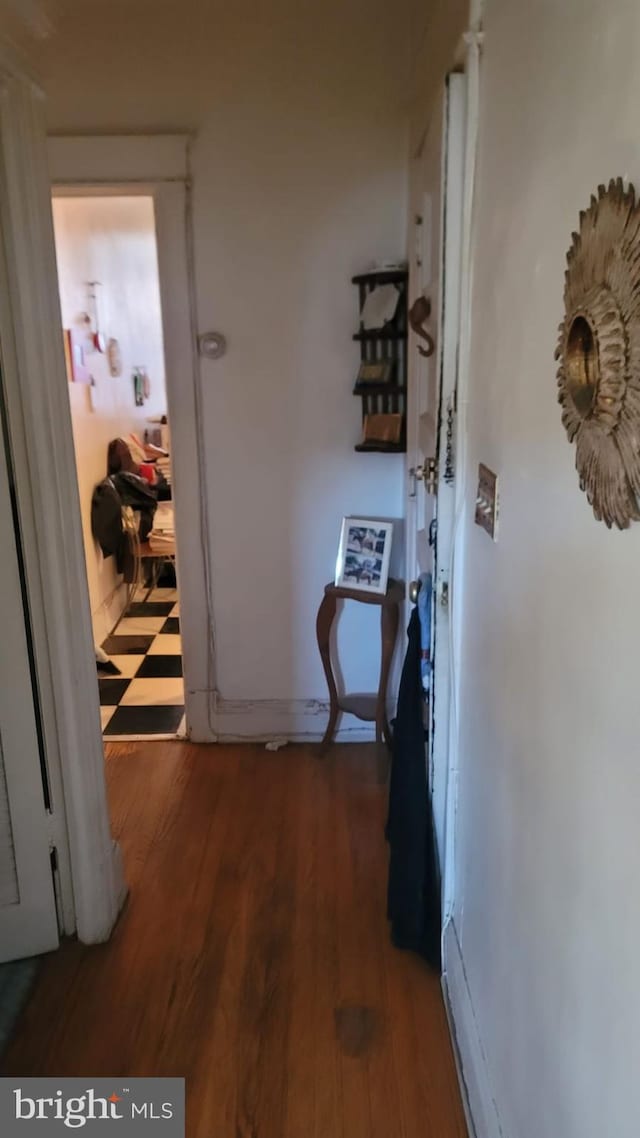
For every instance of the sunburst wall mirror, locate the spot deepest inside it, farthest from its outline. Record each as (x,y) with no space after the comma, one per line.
(599,353)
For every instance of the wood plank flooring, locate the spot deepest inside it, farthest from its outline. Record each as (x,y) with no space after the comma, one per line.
(253,956)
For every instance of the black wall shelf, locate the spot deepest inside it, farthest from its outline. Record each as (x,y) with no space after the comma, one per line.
(381,276)
(378,389)
(372,335)
(384,344)
(381,448)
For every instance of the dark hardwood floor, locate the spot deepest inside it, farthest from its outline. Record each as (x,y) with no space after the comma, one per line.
(253,956)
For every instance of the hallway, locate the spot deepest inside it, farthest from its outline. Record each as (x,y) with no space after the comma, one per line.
(253,955)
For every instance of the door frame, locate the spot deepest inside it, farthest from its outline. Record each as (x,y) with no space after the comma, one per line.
(91,880)
(158,166)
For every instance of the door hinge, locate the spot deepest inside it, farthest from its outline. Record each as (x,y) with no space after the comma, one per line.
(449,470)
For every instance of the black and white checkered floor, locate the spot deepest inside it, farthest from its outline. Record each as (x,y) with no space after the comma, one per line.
(148,697)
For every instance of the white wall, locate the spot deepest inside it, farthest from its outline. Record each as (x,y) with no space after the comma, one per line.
(548,839)
(110,239)
(299,175)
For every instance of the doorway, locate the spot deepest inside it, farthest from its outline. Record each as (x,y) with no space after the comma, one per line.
(112,326)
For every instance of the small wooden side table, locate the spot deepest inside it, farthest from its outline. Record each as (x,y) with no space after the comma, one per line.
(371,708)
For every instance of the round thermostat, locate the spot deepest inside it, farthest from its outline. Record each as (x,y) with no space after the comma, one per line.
(212,345)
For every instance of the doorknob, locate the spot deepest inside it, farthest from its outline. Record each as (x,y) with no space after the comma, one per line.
(414,589)
(427,472)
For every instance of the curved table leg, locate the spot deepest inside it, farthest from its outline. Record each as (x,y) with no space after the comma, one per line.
(389,620)
(324,622)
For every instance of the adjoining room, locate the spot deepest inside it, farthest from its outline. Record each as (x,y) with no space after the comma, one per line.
(113,334)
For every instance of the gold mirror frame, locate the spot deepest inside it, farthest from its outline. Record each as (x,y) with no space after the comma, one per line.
(599,354)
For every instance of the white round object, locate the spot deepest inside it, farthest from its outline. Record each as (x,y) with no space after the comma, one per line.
(212,345)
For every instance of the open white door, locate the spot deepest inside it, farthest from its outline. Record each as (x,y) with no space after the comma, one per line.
(436,208)
(28,921)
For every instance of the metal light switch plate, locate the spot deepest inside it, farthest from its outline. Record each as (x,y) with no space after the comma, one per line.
(487,501)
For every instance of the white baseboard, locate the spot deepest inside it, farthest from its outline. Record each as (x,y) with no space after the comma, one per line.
(109,611)
(256,720)
(480,1106)
(200,720)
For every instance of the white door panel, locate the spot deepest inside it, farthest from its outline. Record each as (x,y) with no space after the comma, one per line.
(28,922)
(436,205)
(446,461)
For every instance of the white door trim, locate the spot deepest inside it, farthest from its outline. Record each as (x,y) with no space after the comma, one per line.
(453,169)
(464,491)
(101,159)
(36,392)
(438,244)
(158,165)
(172,201)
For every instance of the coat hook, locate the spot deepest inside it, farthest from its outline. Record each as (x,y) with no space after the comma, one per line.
(419,312)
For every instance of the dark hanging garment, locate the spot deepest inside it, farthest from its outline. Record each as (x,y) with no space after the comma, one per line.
(109,496)
(413,896)
(136,492)
(106,518)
